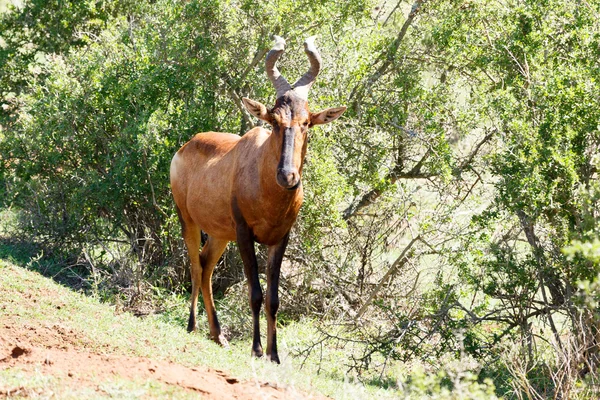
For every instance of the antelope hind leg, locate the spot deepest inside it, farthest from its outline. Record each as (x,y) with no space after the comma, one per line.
(211,252)
(191,236)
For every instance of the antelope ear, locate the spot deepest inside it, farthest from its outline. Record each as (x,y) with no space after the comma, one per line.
(326,116)
(257,109)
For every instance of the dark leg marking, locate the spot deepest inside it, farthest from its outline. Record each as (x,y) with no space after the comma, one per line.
(276,253)
(245,240)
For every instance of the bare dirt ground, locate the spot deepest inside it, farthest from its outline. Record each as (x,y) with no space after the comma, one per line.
(37,348)
(52,350)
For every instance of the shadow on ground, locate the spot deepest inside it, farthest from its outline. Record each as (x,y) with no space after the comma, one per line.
(36,258)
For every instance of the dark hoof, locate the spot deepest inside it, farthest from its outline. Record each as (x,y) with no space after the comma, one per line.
(191,327)
(274,358)
(258,353)
(191,323)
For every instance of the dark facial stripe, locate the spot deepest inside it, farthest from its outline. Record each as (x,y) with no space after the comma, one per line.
(286,162)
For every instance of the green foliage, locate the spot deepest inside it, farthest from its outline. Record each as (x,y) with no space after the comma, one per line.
(542,99)
(40,27)
(453,208)
(87,145)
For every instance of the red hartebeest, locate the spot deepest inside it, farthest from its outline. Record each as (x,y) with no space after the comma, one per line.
(247,189)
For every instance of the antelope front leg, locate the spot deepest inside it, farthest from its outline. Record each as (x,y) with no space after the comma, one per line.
(246,244)
(272,304)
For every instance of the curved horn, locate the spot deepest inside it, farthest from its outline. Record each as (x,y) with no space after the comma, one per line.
(281,85)
(302,85)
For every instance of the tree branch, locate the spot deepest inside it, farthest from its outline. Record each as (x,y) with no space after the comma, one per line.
(552,283)
(235,97)
(395,174)
(388,58)
(399,263)
(247,120)
(471,156)
(257,57)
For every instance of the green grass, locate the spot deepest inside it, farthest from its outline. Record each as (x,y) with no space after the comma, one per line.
(101,328)
(39,385)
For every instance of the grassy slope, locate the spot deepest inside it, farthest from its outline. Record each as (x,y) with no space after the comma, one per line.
(101,329)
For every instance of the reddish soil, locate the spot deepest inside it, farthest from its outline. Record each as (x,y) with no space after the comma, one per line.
(36,348)
(55,351)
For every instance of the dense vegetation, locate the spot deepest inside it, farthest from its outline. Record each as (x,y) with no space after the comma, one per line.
(452,213)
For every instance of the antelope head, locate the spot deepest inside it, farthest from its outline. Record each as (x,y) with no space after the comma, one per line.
(290,117)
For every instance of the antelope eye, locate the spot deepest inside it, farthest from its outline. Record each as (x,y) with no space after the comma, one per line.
(305,123)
